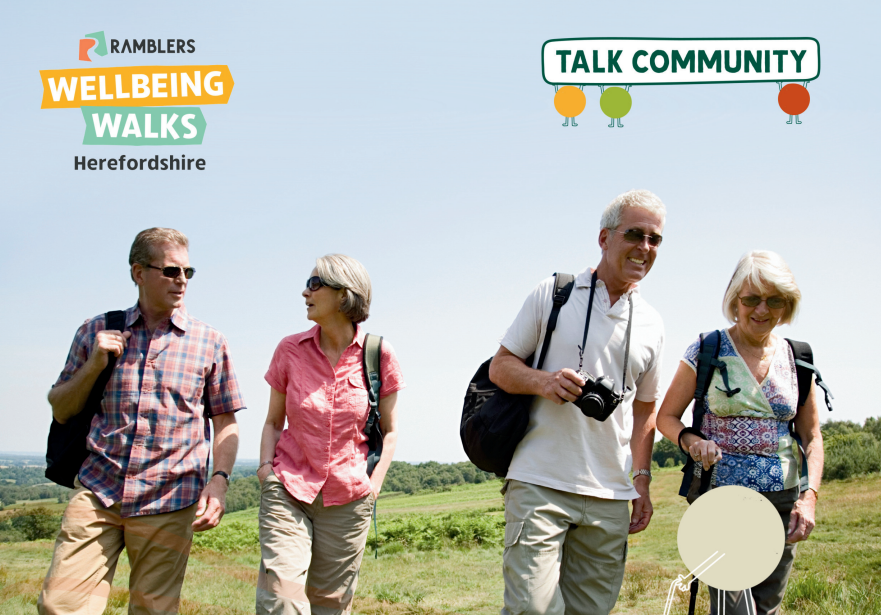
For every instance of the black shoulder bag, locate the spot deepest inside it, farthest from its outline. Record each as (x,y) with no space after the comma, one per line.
(66,450)
(494,421)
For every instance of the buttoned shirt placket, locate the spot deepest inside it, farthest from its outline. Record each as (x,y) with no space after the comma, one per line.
(151,376)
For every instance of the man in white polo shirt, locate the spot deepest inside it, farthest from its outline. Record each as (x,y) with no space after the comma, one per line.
(567,488)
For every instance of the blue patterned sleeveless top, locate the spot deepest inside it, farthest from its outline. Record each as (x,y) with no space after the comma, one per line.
(752,427)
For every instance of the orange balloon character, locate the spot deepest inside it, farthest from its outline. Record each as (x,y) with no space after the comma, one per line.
(569,102)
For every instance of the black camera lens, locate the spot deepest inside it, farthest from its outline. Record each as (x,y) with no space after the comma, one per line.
(591,404)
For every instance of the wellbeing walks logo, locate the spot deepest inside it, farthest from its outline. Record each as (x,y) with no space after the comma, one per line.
(138,105)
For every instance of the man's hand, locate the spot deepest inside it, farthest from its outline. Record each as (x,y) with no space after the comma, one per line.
(212,505)
(562,386)
(68,398)
(801,520)
(105,343)
(642,506)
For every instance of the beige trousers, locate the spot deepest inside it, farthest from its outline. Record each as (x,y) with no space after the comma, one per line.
(87,550)
(564,552)
(311,553)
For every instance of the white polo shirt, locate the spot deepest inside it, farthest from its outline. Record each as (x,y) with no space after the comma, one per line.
(563,449)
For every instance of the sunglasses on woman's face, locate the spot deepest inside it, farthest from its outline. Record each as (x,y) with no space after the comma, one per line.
(774,303)
(173,272)
(314,283)
(634,235)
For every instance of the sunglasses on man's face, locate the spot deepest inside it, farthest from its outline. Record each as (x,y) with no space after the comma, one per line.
(751,301)
(314,283)
(634,235)
(173,272)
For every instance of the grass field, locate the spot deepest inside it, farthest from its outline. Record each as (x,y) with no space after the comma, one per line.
(51,503)
(837,572)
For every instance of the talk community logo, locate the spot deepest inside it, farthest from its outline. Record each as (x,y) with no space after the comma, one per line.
(616,65)
(137,105)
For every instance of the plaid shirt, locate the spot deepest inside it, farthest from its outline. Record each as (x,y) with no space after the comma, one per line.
(149,442)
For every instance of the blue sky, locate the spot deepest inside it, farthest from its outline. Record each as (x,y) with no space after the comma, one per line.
(420,139)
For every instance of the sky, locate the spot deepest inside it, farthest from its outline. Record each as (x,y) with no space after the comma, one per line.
(420,139)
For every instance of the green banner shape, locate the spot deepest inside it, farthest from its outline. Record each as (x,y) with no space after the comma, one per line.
(143,125)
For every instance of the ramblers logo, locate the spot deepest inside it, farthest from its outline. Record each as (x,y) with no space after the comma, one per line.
(616,65)
(129,105)
(95,39)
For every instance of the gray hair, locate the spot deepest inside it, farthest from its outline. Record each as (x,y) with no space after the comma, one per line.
(146,242)
(643,199)
(341,271)
(768,273)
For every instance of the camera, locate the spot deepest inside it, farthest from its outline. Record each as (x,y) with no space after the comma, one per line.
(598,398)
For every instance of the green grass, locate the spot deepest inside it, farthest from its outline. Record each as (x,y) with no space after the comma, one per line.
(50,503)
(479,497)
(837,572)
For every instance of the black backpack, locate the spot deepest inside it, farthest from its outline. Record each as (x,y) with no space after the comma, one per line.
(494,421)
(370,361)
(66,450)
(695,482)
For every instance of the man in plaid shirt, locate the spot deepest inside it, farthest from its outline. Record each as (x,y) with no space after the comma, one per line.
(143,486)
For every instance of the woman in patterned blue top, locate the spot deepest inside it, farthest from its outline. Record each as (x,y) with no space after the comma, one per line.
(747,435)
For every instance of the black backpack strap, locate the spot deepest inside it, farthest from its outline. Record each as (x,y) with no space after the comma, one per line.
(563,284)
(113,321)
(805,372)
(373,380)
(707,361)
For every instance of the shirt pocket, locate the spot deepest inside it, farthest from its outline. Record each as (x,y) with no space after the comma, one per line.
(356,397)
(186,387)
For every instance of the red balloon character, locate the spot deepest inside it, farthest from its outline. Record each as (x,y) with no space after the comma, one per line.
(793,100)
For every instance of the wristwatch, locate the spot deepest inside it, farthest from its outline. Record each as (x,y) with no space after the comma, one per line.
(644,473)
(223,474)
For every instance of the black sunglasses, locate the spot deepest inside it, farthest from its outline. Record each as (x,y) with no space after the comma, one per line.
(315,282)
(774,303)
(634,235)
(173,272)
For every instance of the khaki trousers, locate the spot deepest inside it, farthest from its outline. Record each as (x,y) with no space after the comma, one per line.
(311,553)
(87,550)
(564,552)
(767,595)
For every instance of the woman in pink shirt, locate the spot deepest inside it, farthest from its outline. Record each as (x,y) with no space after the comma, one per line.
(316,496)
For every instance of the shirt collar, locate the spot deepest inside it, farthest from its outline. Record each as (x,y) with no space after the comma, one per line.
(583,280)
(312,334)
(179,317)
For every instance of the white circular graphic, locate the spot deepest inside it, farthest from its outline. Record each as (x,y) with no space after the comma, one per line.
(731,538)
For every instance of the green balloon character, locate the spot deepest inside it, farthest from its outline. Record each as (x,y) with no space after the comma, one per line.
(615,103)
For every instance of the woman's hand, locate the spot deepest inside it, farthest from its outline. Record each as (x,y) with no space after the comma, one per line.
(263,472)
(375,486)
(801,520)
(705,452)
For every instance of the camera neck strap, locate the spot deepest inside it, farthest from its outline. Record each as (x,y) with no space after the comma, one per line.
(593,284)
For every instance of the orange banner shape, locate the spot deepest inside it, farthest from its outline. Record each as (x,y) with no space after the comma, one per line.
(136,86)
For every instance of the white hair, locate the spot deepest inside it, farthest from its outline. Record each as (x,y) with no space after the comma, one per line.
(643,199)
(768,273)
(344,272)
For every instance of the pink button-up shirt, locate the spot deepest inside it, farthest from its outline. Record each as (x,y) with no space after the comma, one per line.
(323,447)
